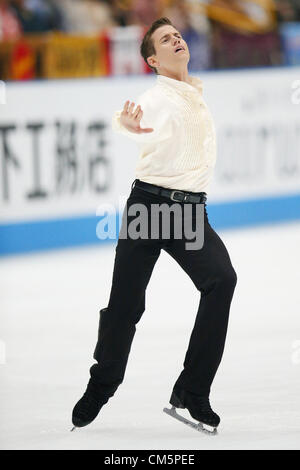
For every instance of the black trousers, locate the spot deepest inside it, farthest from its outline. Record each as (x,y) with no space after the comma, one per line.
(213,275)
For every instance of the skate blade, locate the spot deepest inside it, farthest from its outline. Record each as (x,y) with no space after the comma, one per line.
(73,429)
(198,427)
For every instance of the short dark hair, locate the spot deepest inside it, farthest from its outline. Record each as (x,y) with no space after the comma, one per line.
(147,47)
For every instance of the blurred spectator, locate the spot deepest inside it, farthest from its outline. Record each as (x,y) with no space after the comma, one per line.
(245,16)
(288,10)
(220,33)
(197,16)
(86,16)
(244,33)
(10,27)
(288,14)
(181,14)
(47,10)
(35,16)
(120,11)
(144,12)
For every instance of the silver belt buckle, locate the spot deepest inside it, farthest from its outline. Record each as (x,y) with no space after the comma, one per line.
(181,192)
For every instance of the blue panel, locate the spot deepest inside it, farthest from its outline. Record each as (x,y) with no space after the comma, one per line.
(254,212)
(39,235)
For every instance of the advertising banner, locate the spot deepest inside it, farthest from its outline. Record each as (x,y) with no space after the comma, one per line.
(60,158)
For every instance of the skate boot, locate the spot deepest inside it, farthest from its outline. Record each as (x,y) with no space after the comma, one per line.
(198,407)
(89,405)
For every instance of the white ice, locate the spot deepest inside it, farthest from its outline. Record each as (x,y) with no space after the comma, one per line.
(50,305)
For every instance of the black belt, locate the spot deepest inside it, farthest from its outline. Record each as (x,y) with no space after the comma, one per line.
(173,194)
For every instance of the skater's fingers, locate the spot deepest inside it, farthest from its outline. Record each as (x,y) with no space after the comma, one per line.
(128,107)
(137,112)
(146,130)
(131,108)
(125,108)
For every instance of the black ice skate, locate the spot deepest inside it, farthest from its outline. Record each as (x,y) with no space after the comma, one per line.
(198,407)
(88,407)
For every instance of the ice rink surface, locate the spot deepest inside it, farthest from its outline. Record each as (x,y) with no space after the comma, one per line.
(50,306)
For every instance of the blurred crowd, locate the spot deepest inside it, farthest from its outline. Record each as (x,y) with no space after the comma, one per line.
(220,33)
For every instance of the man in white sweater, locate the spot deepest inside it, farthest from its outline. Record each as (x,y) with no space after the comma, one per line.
(177,139)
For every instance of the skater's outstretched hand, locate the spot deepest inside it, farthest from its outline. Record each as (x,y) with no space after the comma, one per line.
(131,119)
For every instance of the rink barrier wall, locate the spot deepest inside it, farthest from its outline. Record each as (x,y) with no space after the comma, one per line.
(61,160)
(32,236)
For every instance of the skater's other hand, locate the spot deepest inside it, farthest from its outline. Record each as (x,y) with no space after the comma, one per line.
(131,118)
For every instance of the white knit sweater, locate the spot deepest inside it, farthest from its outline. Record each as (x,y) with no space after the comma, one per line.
(181,151)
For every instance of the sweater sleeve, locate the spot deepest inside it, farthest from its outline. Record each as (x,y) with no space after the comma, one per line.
(155,115)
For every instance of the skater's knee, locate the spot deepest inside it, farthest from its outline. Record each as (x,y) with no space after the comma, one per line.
(228,277)
(224,278)
(233,277)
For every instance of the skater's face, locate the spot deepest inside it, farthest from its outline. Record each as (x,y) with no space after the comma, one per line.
(166,40)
